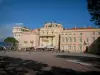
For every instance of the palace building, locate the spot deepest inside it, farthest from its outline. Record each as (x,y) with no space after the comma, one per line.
(75,40)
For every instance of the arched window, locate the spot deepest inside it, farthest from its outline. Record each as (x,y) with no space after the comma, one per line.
(87,39)
(31,42)
(80,46)
(74,47)
(69,47)
(70,39)
(99,33)
(66,39)
(80,33)
(80,39)
(93,33)
(25,42)
(93,38)
(74,39)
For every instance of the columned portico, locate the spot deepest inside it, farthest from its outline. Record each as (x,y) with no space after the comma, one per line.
(46,41)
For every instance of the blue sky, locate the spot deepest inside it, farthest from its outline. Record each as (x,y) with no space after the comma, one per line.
(34,13)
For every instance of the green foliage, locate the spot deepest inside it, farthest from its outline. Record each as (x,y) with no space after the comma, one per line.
(94,48)
(94,10)
(11,40)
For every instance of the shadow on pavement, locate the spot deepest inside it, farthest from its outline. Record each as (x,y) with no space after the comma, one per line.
(17,66)
(92,60)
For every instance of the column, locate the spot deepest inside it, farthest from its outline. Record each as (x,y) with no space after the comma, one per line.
(40,41)
(52,41)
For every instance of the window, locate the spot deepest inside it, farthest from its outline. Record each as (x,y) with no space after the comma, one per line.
(74,47)
(50,25)
(74,39)
(93,38)
(41,44)
(70,39)
(25,42)
(15,34)
(62,39)
(80,39)
(31,42)
(93,33)
(80,33)
(62,33)
(99,33)
(66,39)
(52,39)
(87,40)
(80,45)
(69,33)
(17,29)
(74,34)
(70,47)
(66,33)
(63,47)
(22,29)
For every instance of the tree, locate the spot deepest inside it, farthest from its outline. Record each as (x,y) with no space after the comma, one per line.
(94,10)
(11,40)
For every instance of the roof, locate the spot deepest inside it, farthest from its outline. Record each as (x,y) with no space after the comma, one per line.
(80,28)
(34,30)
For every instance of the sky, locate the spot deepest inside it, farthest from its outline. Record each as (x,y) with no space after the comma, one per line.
(35,13)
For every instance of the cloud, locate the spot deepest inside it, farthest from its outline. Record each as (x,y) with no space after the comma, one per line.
(6,30)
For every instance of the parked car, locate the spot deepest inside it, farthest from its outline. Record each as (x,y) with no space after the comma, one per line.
(2,48)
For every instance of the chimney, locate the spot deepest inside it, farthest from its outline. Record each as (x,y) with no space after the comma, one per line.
(84,26)
(89,26)
(75,27)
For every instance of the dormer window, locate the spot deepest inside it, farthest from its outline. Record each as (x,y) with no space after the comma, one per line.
(50,26)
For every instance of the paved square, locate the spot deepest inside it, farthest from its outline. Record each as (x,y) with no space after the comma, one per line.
(51,59)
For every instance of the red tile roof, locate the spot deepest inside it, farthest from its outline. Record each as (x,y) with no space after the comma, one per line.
(80,28)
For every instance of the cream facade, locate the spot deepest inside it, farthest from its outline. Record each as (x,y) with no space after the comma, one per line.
(53,34)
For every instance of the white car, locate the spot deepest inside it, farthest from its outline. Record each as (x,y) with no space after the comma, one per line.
(2,48)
